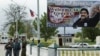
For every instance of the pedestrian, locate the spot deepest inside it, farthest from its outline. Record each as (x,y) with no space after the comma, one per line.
(16,47)
(24,43)
(8,48)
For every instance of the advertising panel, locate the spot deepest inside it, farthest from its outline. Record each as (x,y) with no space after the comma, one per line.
(64,13)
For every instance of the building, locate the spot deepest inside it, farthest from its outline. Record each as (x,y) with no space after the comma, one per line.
(65,39)
(98,40)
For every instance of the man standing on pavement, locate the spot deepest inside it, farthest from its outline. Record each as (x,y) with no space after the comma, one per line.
(8,48)
(24,43)
(16,47)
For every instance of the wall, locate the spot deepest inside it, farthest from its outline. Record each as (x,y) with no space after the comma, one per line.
(98,40)
(43,51)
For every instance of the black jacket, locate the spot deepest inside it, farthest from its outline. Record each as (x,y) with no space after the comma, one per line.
(90,22)
(9,46)
(94,20)
(81,23)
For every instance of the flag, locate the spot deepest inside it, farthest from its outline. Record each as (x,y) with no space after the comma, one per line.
(32,13)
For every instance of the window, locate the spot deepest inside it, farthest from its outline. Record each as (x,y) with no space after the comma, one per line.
(5,37)
(70,40)
(67,40)
(85,44)
(2,37)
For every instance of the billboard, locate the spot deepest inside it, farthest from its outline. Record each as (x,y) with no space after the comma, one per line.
(63,13)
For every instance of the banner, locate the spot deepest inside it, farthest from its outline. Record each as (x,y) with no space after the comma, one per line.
(63,13)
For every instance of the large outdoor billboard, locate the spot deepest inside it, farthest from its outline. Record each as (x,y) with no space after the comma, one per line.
(64,13)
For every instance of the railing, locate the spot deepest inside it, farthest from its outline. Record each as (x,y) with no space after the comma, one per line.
(63,51)
(78,52)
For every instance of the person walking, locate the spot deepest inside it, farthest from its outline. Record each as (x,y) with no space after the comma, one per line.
(16,47)
(8,48)
(24,43)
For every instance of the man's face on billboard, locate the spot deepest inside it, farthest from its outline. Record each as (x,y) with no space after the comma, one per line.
(84,14)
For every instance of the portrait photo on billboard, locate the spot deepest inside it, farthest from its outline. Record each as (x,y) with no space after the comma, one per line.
(73,13)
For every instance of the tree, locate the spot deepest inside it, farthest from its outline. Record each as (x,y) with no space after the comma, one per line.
(15,13)
(78,34)
(91,33)
(45,32)
(29,29)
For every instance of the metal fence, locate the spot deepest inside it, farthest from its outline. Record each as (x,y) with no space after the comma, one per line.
(78,52)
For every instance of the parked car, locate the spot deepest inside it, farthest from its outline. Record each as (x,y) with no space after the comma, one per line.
(79,45)
(96,46)
(4,39)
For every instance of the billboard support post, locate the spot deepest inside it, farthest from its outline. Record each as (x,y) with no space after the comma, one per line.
(64,35)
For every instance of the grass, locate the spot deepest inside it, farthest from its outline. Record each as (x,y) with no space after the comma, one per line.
(50,41)
(43,43)
(77,40)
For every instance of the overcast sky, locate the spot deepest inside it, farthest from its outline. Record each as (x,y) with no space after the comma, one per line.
(30,4)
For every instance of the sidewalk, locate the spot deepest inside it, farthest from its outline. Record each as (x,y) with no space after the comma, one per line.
(3,51)
(34,49)
(19,53)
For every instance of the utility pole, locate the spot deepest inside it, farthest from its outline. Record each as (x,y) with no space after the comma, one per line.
(38,27)
(38,21)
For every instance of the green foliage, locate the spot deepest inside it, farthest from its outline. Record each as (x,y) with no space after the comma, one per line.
(45,32)
(12,30)
(43,43)
(91,33)
(78,40)
(88,32)
(29,30)
(21,28)
(78,34)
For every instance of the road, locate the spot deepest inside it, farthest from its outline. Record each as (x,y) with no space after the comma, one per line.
(2,50)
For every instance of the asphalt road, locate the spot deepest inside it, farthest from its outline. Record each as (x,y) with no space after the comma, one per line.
(2,50)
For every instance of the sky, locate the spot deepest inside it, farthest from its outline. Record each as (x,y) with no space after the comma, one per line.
(30,4)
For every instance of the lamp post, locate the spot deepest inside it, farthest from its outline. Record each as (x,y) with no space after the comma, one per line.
(38,21)
(16,19)
(38,27)
(18,15)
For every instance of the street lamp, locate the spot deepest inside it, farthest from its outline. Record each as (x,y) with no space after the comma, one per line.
(17,16)
(17,11)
